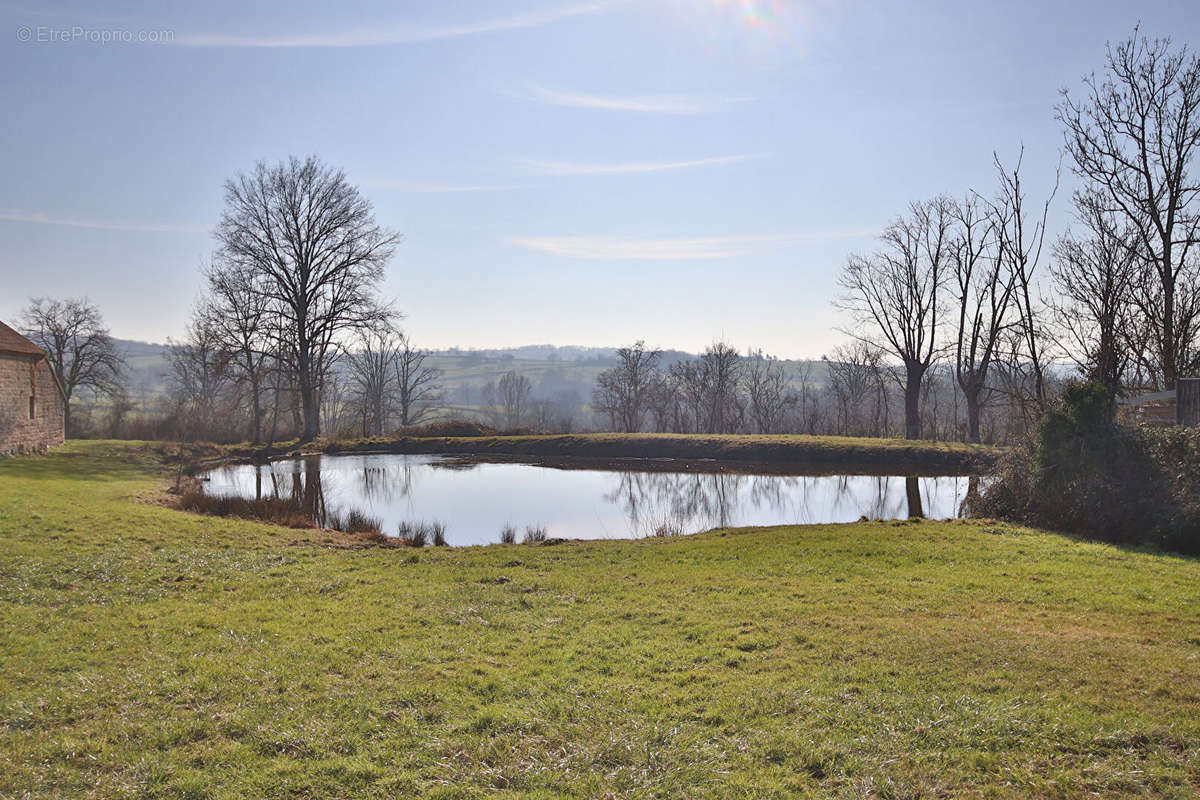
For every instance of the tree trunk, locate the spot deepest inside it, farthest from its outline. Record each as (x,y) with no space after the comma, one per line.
(275,415)
(309,409)
(915,371)
(256,409)
(971,394)
(1166,277)
(912,488)
(67,420)
(1169,352)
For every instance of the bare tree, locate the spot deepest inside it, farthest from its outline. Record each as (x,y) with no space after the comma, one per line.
(668,412)
(721,365)
(80,350)
(769,394)
(624,392)
(241,319)
(1133,137)
(709,389)
(310,241)
(983,289)
(809,408)
(858,384)
(199,377)
(342,413)
(510,396)
(418,385)
(1096,276)
(895,294)
(1022,237)
(372,365)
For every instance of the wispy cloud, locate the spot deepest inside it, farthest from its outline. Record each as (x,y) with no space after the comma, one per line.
(660,104)
(617,248)
(41,218)
(399,34)
(571,168)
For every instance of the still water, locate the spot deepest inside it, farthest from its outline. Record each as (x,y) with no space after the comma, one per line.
(474,499)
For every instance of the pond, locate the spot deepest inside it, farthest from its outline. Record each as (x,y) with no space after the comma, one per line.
(474,499)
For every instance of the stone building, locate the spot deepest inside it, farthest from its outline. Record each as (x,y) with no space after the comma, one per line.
(32,403)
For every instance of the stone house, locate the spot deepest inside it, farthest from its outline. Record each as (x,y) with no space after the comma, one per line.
(32,402)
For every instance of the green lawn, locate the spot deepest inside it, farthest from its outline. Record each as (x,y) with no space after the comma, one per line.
(146,653)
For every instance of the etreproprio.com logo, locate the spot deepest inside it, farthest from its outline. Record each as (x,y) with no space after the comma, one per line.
(45,34)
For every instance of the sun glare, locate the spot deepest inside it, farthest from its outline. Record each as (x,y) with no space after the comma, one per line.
(763,26)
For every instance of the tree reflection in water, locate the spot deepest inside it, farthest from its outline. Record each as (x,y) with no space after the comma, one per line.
(697,502)
(476,499)
(912,488)
(386,484)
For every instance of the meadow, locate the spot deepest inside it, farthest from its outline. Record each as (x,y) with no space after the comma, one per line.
(150,653)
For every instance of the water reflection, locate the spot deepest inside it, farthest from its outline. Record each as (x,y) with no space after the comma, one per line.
(475,500)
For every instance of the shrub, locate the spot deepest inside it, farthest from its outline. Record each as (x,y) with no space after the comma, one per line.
(535,534)
(419,534)
(1085,474)
(358,522)
(508,535)
(667,529)
(666,525)
(277,510)
(447,427)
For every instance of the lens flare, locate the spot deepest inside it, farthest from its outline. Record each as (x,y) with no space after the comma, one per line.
(759,26)
(760,15)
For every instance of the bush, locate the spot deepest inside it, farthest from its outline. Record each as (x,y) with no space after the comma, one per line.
(535,534)
(419,534)
(358,522)
(281,511)
(508,535)
(1084,473)
(447,427)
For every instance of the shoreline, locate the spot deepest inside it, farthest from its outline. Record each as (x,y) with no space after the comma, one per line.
(797,454)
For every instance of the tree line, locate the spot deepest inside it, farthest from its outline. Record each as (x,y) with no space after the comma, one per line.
(960,320)
(959,280)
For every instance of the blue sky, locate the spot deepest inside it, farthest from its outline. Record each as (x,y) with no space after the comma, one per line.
(566,171)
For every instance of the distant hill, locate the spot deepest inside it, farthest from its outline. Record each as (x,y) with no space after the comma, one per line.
(555,371)
(145,366)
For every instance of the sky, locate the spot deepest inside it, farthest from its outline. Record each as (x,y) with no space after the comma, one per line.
(575,172)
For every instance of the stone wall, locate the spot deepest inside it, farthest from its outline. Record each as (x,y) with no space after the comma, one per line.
(23,377)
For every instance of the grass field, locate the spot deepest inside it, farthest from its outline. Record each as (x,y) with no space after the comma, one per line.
(146,653)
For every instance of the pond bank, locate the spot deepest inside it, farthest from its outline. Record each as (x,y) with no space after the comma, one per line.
(808,452)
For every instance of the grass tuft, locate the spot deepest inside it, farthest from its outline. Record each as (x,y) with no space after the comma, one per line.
(535,534)
(280,511)
(358,522)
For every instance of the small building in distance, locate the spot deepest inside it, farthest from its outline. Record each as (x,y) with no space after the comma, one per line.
(1187,401)
(32,402)
(1178,406)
